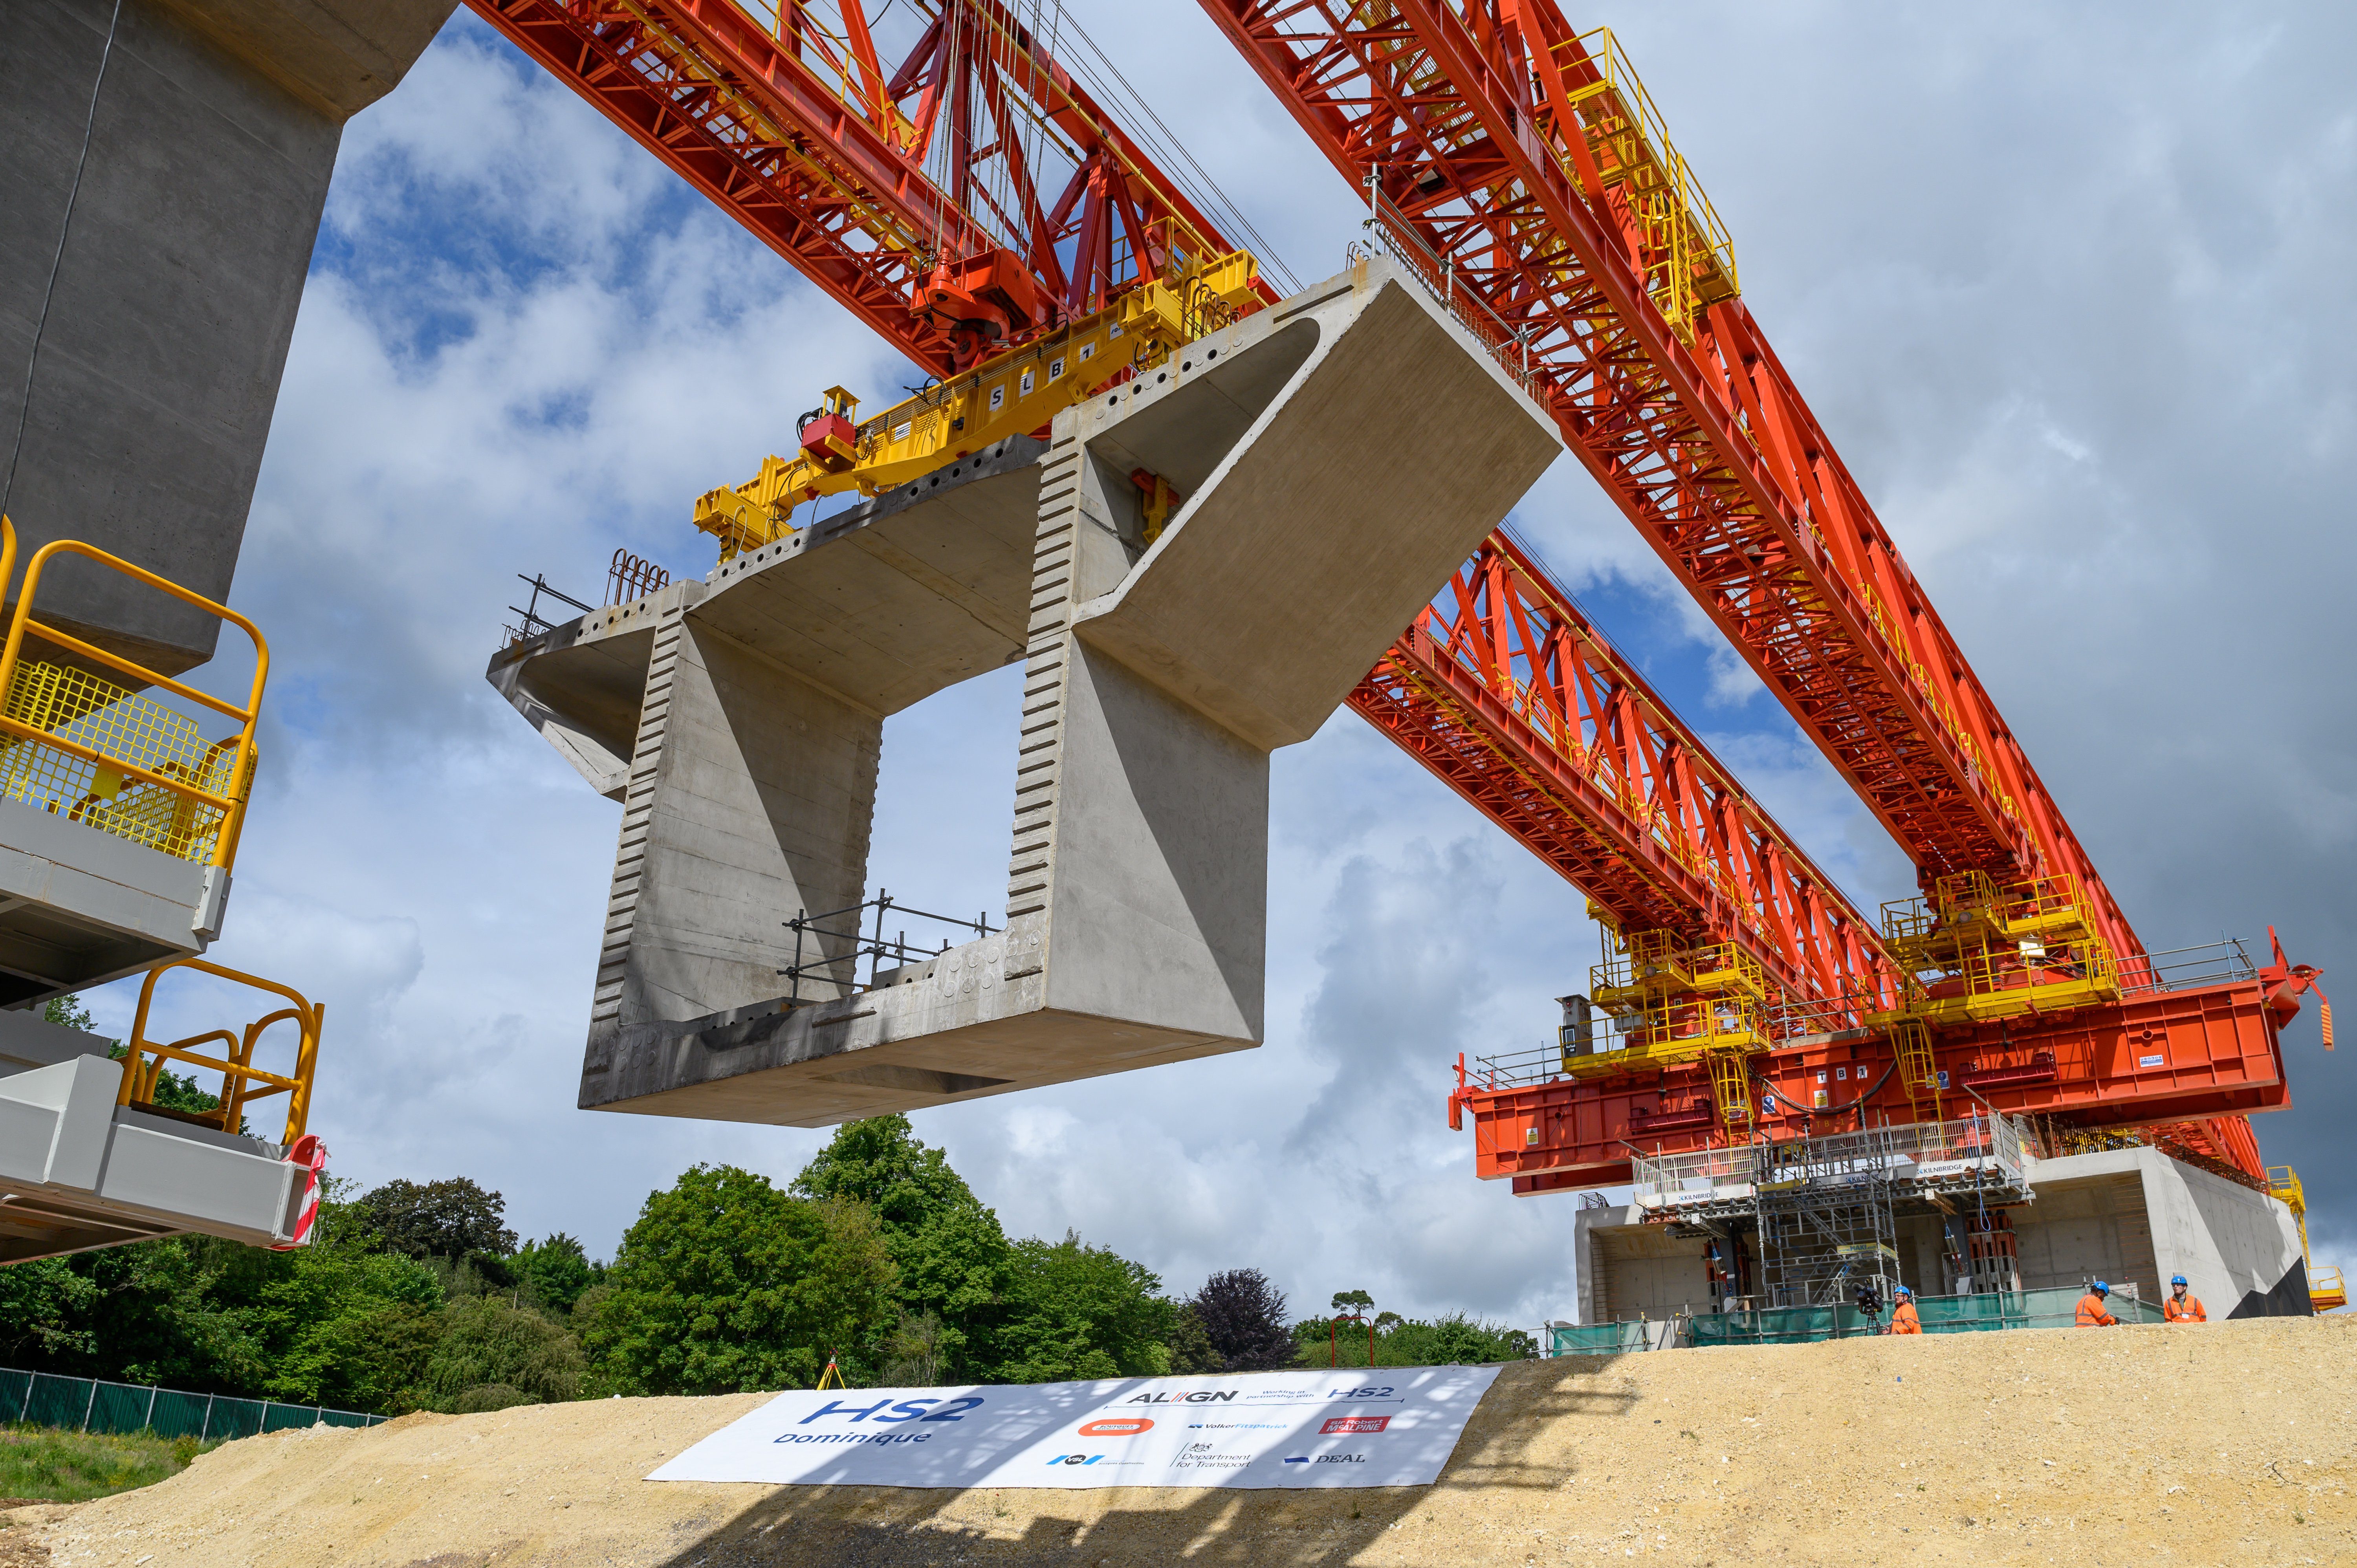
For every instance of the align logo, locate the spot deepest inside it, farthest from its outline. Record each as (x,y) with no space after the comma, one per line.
(1356,1423)
(1198,1398)
(1117,1426)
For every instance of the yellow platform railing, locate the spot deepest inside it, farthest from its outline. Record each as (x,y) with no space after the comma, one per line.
(107,756)
(243,1083)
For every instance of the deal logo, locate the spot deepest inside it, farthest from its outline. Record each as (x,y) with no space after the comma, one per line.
(1356,1423)
(1119,1426)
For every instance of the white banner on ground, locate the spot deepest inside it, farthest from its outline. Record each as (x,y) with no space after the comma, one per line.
(1391,1427)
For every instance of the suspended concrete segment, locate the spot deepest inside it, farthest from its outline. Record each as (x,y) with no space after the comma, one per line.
(1338,455)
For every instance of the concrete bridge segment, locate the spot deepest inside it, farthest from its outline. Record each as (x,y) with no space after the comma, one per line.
(1338,454)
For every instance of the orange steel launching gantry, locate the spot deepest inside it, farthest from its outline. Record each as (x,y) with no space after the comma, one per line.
(1519,168)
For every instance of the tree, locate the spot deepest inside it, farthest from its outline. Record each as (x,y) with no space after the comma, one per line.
(67,1012)
(486,1344)
(1191,1347)
(448,1219)
(1078,1312)
(724,1284)
(951,1256)
(1244,1319)
(557,1271)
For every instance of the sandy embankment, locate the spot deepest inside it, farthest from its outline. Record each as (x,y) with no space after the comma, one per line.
(2229,1443)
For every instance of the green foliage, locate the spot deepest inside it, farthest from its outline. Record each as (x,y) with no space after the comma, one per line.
(951,1254)
(73,1467)
(485,1343)
(1455,1340)
(45,1311)
(66,1012)
(490,1397)
(332,1323)
(555,1271)
(1350,1300)
(1076,1311)
(727,1285)
(349,1327)
(912,1352)
(451,1219)
(1191,1347)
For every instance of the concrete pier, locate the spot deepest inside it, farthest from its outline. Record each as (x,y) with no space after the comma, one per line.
(214,133)
(1338,454)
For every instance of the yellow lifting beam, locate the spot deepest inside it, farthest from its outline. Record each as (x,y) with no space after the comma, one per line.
(1010,394)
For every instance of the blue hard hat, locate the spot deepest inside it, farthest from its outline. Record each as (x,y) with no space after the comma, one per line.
(2176,1279)
(1904,1290)
(2100,1288)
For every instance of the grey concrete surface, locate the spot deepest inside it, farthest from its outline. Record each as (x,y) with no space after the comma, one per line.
(28,1040)
(78,1171)
(79,907)
(1337,457)
(214,135)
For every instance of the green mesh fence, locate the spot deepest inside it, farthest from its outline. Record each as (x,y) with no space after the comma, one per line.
(1597,1338)
(1984,1313)
(84,1404)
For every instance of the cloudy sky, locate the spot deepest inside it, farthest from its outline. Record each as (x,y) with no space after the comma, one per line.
(2067,285)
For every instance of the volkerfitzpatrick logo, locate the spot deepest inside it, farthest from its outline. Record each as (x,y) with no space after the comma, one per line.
(1116,1426)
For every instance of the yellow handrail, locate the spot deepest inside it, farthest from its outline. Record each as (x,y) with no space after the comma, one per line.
(231,800)
(143,1058)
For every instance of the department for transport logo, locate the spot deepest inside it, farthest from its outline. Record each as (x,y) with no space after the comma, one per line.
(1356,1423)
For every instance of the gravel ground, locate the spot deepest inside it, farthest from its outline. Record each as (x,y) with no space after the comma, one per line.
(2231,1443)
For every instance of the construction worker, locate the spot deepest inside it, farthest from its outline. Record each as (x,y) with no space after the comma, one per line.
(2180,1307)
(1903,1316)
(2091,1307)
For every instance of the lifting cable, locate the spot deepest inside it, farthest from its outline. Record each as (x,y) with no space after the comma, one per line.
(1813,1112)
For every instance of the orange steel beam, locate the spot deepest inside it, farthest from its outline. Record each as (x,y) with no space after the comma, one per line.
(1509,696)
(1468,116)
(783,114)
(2205,1055)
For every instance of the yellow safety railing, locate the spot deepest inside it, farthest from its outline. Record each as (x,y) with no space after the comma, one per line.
(243,1083)
(1910,1046)
(108,757)
(1691,263)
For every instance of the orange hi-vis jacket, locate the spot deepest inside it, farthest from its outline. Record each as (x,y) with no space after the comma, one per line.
(2186,1311)
(2092,1314)
(1904,1319)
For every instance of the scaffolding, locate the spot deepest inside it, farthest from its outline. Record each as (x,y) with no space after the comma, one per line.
(1826,1216)
(1824,1211)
